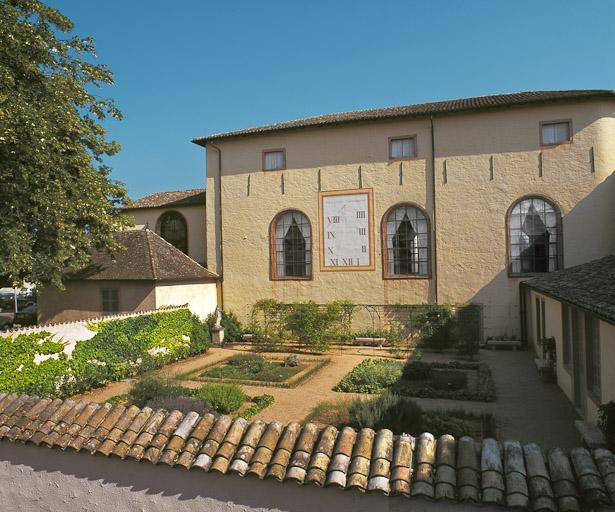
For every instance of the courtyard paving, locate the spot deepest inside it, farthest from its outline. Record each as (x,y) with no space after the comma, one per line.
(526,408)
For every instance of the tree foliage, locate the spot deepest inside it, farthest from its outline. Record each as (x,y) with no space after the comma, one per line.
(57,202)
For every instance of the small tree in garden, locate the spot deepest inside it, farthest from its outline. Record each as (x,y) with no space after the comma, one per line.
(312,324)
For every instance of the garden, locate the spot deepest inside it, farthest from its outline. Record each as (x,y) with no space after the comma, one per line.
(257,370)
(454,380)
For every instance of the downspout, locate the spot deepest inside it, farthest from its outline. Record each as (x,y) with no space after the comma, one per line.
(220,269)
(433,213)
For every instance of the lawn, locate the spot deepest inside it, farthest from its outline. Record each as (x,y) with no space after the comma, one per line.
(252,367)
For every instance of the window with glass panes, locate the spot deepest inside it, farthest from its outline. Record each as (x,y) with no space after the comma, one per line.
(292,246)
(110,300)
(402,147)
(406,233)
(274,160)
(533,236)
(553,133)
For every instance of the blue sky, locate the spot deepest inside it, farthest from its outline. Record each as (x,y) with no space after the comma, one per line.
(190,68)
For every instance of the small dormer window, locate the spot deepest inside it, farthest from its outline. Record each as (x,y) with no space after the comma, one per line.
(274,159)
(553,133)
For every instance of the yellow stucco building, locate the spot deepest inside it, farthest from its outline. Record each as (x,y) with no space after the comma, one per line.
(451,202)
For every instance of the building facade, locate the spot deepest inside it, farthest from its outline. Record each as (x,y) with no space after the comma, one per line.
(576,307)
(178,217)
(449,202)
(149,274)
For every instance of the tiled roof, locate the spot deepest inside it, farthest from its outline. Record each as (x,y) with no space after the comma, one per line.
(589,285)
(462,470)
(419,110)
(195,196)
(147,257)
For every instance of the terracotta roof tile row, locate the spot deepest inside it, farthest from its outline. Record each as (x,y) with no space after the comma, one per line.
(173,199)
(146,256)
(463,470)
(418,110)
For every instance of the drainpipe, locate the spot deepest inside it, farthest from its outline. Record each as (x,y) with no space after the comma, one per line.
(433,213)
(220,268)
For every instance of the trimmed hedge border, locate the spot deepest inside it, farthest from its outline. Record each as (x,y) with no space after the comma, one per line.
(301,377)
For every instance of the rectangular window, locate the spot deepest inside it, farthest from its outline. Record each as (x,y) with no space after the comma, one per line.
(274,160)
(110,300)
(592,348)
(566,336)
(553,133)
(401,148)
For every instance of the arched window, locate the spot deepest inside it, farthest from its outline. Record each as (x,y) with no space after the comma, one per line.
(405,241)
(534,236)
(291,246)
(173,228)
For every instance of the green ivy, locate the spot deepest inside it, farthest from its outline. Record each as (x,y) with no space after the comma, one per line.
(19,371)
(120,348)
(131,346)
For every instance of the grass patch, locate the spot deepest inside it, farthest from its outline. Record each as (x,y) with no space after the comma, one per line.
(402,415)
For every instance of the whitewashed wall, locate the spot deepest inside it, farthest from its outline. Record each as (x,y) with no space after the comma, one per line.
(201,298)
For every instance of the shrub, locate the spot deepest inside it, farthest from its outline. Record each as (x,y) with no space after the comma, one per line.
(268,324)
(606,422)
(224,398)
(438,327)
(231,324)
(184,404)
(292,360)
(390,411)
(371,376)
(33,364)
(151,387)
(312,324)
(260,402)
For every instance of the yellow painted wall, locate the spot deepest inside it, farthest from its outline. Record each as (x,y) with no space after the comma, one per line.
(471,207)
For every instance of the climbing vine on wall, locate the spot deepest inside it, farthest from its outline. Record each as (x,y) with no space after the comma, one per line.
(121,348)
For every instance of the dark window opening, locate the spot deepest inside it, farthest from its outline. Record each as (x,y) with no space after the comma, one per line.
(173,228)
(110,300)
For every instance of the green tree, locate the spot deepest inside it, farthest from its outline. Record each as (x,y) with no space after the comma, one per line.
(57,202)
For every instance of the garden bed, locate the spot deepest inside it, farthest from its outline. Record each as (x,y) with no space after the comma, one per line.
(450,380)
(402,415)
(211,397)
(256,370)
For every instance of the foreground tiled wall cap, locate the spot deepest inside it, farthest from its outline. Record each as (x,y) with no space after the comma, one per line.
(509,473)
